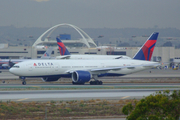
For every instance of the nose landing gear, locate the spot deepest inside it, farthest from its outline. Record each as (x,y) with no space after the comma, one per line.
(23,80)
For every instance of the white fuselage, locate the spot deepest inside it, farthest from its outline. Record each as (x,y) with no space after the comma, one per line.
(93,57)
(40,68)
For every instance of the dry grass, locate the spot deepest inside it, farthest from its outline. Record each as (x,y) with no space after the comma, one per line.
(62,109)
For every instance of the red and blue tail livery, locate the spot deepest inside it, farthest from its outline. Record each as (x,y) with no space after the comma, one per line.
(147,49)
(62,47)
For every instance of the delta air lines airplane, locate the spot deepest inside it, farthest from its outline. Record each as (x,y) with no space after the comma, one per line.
(82,71)
(65,54)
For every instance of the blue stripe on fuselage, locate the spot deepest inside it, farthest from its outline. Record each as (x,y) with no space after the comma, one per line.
(110,74)
(69,75)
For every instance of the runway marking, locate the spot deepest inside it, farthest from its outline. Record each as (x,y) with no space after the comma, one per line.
(125,97)
(22,99)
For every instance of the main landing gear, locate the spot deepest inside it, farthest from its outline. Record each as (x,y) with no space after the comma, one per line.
(23,80)
(96,81)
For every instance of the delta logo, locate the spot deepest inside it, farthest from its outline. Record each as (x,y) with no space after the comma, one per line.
(46,54)
(34,64)
(42,64)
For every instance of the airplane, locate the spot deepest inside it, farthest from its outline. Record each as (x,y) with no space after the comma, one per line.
(151,41)
(47,54)
(65,54)
(82,71)
(7,63)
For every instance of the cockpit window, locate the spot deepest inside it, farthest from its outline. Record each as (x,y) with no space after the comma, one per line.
(15,66)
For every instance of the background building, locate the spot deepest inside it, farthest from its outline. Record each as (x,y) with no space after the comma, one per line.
(87,45)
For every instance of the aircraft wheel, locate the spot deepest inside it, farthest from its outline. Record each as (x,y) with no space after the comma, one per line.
(91,83)
(96,83)
(24,83)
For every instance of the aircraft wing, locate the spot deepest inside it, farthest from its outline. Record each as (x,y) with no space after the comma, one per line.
(118,57)
(63,57)
(128,67)
(106,69)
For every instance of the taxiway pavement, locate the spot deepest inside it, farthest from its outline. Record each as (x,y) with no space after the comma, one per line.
(58,95)
(67,91)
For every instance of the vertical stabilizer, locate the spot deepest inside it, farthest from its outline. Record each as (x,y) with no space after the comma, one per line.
(62,48)
(147,49)
(47,54)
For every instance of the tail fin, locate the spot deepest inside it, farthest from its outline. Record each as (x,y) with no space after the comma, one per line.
(147,49)
(62,48)
(47,54)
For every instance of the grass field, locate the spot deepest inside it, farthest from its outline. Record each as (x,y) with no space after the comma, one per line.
(53,110)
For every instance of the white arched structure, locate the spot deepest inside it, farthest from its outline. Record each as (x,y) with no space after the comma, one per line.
(85,37)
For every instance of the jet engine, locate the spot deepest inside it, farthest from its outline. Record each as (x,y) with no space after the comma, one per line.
(50,79)
(81,76)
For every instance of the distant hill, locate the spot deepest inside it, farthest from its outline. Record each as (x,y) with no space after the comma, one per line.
(133,36)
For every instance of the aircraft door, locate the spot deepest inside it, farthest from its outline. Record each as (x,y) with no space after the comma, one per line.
(29,67)
(56,67)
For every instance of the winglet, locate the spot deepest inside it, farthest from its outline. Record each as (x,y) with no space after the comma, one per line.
(147,49)
(62,48)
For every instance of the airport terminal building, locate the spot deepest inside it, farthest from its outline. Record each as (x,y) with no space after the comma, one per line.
(85,45)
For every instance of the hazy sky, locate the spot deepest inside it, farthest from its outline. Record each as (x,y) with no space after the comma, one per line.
(91,13)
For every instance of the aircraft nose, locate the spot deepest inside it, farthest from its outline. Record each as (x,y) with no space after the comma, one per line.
(13,71)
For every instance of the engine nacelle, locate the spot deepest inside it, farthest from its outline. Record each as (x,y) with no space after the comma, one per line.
(50,79)
(81,76)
